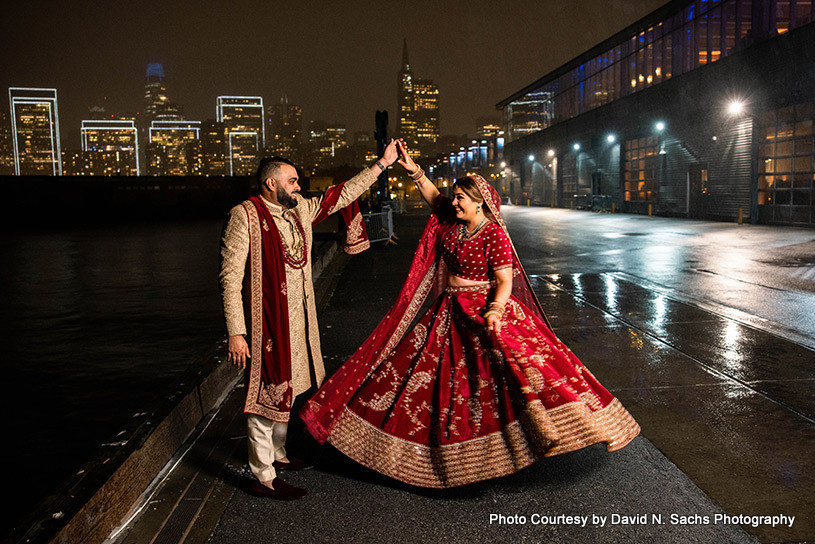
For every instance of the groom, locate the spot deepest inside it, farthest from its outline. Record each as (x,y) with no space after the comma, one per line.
(266,282)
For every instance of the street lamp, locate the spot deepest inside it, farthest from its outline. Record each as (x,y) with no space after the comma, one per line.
(503,164)
(610,138)
(736,107)
(576,147)
(531,158)
(660,126)
(551,152)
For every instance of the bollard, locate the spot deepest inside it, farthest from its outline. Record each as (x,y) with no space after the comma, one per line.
(613,207)
(527,202)
(650,209)
(571,204)
(741,216)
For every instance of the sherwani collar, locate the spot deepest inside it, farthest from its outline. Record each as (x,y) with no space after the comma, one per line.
(277,210)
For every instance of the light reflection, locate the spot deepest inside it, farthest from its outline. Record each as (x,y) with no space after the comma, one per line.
(660,309)
(731,341)
(611,294)
(578,283)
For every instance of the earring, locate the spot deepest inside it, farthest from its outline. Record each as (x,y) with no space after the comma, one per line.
(478,209)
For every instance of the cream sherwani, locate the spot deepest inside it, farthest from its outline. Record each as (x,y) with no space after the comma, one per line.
(307,367)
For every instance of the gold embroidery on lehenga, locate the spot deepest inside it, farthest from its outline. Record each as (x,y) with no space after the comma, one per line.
(418,338)
(418,381)
(535,378)
(414,418)
(475,413)
(380,403)
(540,433)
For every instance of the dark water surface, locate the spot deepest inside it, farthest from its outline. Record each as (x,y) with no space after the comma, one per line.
(98,326)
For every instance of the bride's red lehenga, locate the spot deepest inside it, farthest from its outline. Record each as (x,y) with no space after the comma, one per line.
(447,403)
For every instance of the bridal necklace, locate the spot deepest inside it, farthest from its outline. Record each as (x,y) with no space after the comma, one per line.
(464,233)
(297,262)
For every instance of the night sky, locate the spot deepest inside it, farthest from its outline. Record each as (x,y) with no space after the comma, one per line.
(338,60)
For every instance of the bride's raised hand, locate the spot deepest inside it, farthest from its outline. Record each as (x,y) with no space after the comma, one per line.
(406,162)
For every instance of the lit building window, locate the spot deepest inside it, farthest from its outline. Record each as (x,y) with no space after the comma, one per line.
(785,164)
(641,164)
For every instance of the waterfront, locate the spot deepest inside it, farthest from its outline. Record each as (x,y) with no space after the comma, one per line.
(101,326)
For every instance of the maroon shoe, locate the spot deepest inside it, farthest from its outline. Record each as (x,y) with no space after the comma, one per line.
(282,491)
(293,464)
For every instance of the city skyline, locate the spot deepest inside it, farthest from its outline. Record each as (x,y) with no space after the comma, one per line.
(337,63)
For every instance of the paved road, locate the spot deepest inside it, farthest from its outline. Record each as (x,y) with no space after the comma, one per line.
(764,275)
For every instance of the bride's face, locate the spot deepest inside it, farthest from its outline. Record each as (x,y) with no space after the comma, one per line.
(465,207)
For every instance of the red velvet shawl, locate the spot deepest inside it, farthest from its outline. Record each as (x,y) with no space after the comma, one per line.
(426,273)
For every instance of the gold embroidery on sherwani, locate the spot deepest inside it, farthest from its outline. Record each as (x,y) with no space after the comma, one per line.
(272,394)
(356,227)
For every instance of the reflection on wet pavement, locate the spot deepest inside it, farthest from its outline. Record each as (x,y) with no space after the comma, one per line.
(732,405)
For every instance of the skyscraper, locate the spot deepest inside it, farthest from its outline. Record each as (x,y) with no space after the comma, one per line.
(169,146)
(328,144)
(418,101)
(285,126)
(245,128)
(112,147)
(35,131)
(406,126)
(6,152)
(213,148)
(157,104)
(426,112)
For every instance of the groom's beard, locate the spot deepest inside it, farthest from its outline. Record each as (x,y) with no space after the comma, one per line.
(285,199)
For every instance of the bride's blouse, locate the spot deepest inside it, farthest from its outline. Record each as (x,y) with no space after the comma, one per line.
(475,257)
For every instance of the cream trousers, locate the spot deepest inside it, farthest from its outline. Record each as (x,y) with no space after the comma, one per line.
(267,441)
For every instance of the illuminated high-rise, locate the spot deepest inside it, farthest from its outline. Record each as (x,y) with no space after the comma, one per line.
(157,104)
(213,149)
(406,125)
(426,111)
(328,144)
(112,146)
(6,152)
(169,149)
(285,126)
(35,131)
(245,131)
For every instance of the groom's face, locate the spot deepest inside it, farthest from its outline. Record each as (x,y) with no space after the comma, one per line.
(288,187)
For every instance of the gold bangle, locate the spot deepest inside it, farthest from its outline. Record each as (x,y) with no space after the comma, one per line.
(496,313)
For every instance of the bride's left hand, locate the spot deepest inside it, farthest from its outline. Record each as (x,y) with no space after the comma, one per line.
(494,324)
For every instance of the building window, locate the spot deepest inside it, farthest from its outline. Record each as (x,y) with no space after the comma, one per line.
(569,175)
(786,169)
(641,161)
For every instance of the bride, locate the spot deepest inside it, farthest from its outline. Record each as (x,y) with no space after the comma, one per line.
(479,386)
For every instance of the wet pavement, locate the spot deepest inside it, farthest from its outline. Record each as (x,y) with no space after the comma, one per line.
(723,392)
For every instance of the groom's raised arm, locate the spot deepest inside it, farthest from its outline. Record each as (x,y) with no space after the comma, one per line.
(337,198)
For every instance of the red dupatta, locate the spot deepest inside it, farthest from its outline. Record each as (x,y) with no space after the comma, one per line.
(356,238)
(269,391)
(426,271)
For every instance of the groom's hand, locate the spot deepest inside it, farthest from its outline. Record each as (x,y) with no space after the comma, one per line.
(391,153)
(238,351)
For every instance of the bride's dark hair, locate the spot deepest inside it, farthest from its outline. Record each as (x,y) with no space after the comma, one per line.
(470,188)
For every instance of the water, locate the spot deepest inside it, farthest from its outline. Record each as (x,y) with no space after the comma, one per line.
(97,325)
